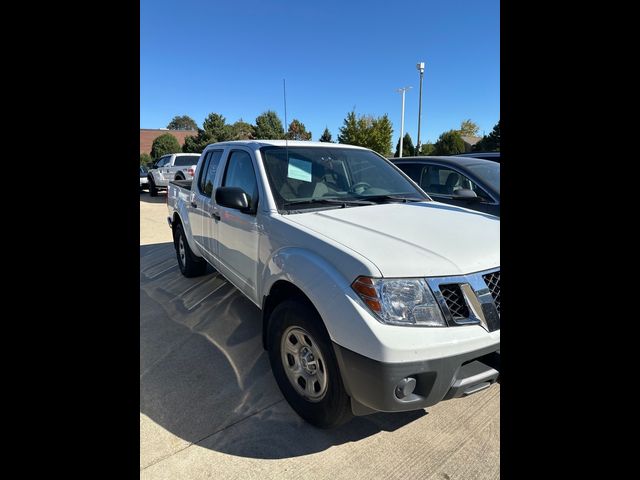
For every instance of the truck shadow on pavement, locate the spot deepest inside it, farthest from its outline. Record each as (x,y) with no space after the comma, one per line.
(205,377)
(145,197)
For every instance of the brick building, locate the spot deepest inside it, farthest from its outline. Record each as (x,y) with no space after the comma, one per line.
(148,135)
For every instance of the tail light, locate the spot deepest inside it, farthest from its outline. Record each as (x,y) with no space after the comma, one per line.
(191,171)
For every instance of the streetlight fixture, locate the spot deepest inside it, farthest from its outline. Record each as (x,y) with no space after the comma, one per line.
(402,90)
(420,67)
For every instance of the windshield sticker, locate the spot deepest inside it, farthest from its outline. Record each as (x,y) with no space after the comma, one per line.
(299,169)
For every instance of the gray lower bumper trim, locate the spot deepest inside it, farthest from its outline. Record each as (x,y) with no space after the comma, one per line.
(372,384)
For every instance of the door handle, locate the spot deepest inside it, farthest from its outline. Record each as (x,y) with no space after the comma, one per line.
(194,204)
(215,215)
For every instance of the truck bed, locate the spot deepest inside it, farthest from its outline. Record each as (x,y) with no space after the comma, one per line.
(186,184)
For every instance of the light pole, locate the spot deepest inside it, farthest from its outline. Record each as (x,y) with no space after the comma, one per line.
(420,67)
(403,90)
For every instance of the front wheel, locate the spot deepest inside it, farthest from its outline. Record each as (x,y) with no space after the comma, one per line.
(305,367)
(153,191)
(190,265)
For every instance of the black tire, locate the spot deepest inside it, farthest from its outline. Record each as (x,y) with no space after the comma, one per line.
(179,176)
(190,265)
(153,191)
(334,408)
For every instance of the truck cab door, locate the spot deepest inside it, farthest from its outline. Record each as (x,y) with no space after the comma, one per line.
(238,232)
(195,208)
(207,178)
(210,208)
(170,170)
(159,170)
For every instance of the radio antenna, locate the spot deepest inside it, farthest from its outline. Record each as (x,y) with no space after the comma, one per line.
(286,136)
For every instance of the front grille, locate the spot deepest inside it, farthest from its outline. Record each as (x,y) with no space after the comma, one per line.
(493,282)
(455,301)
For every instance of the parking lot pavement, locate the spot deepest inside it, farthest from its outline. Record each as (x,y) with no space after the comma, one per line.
(210,408)
(153,219)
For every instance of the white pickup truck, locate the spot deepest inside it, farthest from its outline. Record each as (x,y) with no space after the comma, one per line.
(174,166)
(373,296)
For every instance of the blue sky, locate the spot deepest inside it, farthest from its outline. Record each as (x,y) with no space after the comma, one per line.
(229,57)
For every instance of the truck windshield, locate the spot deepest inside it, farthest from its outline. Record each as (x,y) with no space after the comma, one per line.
(333,177)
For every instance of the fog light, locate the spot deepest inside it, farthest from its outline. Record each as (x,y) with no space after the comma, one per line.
(405,387)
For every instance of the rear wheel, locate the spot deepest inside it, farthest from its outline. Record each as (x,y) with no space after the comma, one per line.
(304,365)
(190,265)
(153,191)
(179,176)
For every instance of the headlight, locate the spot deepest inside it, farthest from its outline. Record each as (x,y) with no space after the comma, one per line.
(400,301)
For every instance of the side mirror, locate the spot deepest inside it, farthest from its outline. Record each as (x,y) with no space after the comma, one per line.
(466,194)
(233,197)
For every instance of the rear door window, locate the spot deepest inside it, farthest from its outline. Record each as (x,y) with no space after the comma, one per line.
(208,173)
(414,170)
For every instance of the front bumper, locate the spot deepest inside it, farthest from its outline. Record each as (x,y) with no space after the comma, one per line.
(144,181)
(393,387)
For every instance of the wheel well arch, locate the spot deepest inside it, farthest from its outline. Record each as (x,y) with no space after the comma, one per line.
(175,221)
(280,291)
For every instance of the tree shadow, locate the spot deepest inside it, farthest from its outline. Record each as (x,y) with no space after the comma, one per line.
(205,377)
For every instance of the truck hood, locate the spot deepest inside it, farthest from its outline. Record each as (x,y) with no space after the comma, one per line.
(413,239)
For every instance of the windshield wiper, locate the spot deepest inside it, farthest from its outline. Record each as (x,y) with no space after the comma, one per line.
(393,198)
(329,201)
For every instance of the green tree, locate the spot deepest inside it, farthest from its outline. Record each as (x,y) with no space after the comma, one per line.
(242,130)
(216,126)
(449,143)
(164,144)
(215,129)
(408,150)
(469,128)
(297,131)
(367,131)
(183,122)
(326,136)
(348,133)
(381,135)
(197,143)
(427,149)
(489,143)
(269,126)
(145,159)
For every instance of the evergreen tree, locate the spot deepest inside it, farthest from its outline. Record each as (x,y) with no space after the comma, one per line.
(408,150)
(326,136)
(269,126)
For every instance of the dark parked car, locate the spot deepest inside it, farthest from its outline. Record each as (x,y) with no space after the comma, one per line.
(144,183)
(495,156)
(467,182)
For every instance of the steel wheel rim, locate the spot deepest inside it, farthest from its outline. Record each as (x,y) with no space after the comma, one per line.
(181,250)
(304,364)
